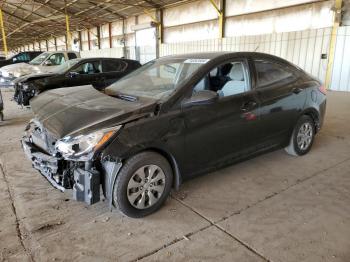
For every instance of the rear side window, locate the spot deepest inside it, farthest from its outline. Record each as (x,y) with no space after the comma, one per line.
(22,57)
(270,73)
(72,56)
(113,66)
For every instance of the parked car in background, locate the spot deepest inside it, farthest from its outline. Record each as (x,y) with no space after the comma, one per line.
(22,57)
(99,72)
(44,62)
(170,120)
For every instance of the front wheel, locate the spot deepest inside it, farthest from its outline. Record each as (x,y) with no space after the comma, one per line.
(302,137)
(143,184)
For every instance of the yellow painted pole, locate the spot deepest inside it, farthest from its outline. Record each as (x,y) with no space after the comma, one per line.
(336,23)
(221,18)
(69,37)
(3,32)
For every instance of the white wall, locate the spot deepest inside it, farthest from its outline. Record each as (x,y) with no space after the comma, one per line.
(303,48)
(341,67)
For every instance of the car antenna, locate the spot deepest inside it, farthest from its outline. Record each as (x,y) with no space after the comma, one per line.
(256,49)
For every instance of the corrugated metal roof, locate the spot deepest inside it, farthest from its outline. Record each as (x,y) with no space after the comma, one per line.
(27,21)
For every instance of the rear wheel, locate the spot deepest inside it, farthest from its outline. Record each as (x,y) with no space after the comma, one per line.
(302,137)
(143,184)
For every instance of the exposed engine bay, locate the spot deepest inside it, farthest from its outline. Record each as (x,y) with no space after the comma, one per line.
(82,177)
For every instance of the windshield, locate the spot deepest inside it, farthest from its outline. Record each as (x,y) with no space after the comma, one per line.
(157,79)
(65,66)
(39,59)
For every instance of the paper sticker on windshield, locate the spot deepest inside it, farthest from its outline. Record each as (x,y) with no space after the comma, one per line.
(196,61)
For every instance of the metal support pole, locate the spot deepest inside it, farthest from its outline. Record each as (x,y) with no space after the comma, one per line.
(160,31)
(55,43)
(110,35)
(98,30)
(125,53)
(68,36)
(336,23)
(89,41)
(221,15)
(80,41)
(3,33)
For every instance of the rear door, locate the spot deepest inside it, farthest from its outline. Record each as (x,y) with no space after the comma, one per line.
(113,70)
(280,97)
(224,130)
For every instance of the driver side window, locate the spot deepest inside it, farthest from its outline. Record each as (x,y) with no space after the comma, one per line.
(57,59)
(227,79)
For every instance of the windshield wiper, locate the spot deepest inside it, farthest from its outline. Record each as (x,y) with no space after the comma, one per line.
(125,97)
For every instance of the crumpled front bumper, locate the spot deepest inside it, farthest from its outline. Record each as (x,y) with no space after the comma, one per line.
(45,163)
(82,177)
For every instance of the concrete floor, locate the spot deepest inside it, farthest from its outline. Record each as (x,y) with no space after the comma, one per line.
(274,208)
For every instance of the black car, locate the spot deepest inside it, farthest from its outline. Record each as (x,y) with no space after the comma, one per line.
(170,120)
(99,72)
(22,57)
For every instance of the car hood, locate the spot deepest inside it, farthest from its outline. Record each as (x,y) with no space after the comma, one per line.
(83,109)
(33,77)
(22,69)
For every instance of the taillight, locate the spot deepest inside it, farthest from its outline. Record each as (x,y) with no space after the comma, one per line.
(322,89)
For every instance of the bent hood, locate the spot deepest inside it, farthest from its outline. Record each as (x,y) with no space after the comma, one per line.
(83,109)
(31,77)
(22,69)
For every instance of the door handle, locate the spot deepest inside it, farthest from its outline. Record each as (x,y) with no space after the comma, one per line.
(247,106)
(297,90)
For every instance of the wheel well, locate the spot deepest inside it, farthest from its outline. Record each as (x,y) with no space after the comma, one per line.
(314,116)
(177,175)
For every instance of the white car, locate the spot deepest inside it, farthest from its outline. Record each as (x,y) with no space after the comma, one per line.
(45,62)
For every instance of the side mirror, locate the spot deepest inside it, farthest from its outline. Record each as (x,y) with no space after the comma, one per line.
(204,97)
(72,74)
(14,59)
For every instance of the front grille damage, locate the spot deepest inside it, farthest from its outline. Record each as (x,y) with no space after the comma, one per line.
(83,178)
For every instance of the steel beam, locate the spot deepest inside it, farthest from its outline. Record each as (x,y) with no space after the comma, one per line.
(331,52)
(221,15)
(3,33)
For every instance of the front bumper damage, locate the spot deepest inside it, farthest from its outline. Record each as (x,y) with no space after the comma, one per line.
(21,96)
(84,179)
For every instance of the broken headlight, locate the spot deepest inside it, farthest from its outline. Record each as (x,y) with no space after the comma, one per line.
(81,146)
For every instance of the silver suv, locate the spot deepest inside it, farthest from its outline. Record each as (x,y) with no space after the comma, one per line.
(45,62)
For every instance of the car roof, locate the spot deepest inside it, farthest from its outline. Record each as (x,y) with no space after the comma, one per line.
(214,55)
(104,58)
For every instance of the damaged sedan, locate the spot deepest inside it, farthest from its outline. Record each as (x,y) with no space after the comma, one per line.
(172,119)
(99,72)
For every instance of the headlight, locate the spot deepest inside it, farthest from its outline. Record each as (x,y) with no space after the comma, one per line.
(5,74)
(81,146)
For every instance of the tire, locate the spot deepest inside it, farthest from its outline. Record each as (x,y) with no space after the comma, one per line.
(304,125)
(146,175)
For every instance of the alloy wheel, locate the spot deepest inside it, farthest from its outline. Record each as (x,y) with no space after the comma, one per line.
(146,186)
(304,136)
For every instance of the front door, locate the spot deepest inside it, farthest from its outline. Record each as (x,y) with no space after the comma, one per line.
(226,129)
